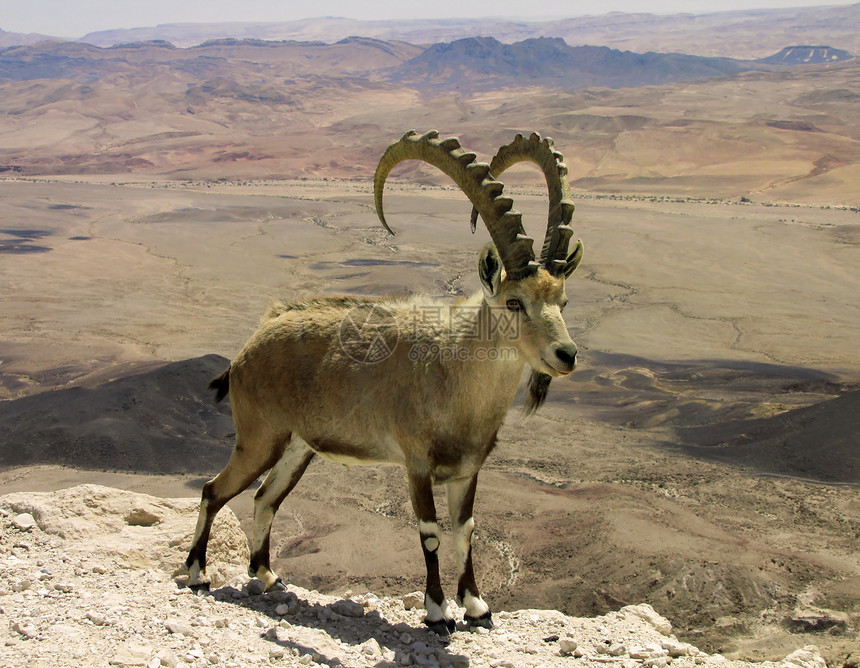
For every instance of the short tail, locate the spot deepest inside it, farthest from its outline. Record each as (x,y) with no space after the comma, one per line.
(221,385)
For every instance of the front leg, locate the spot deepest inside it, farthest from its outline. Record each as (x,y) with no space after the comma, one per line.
(461,500)
(438,617)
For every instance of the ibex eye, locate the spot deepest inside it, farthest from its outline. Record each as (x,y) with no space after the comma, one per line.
(514,305)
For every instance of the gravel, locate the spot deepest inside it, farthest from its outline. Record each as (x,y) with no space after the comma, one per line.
(97,592)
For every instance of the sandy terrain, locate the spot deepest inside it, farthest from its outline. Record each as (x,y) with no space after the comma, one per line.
(689,314)
(789,136)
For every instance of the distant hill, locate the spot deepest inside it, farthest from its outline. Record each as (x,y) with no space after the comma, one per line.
(486,62)
(808,55)
(474,62)
(18,38)
(818,442)
(738,34)
(242,59)
(161,421)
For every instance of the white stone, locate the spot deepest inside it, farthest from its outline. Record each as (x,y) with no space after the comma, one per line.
(25,630)
(806,657)
(96,618)
(132,654)
(24,522)
(657,662)
(567,645)
(371,648)
(649,651)
(21,585)
(616,649)
(647,613)
(178,627)
(675,647)
(413,600)
(167,658)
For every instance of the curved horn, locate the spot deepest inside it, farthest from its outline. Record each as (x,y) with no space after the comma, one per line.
(558,230)
(504,224)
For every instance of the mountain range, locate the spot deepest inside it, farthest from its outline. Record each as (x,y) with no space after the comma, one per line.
(472,63)
(250,107)
(739,34)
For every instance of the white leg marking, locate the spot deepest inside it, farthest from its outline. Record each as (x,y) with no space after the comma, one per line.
(462,543)
(194,573)
(475,606)
(194,570)
(432,535)
(428,527)
(436,613)
(201,521)
(275,483)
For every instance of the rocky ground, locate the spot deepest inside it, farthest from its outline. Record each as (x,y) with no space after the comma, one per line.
(88,578)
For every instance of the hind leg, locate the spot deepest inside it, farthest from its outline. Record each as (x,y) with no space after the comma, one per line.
(250,458)
(461,500)
(278,484)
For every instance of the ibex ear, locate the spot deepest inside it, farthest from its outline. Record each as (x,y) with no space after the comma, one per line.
(490,270)
(573,259)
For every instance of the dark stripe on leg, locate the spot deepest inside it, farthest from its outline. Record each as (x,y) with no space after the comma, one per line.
(421,493)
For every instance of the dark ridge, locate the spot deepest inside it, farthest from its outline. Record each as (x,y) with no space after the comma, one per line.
(248,41)
(482,61)
(818,442)
(21,247)
(807,55)
(799,126)
(158,421)
(26,234)
(154,43)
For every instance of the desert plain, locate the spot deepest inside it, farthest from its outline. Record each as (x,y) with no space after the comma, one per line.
(704,456)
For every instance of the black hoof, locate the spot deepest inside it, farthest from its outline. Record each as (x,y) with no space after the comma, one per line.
(200,586)
(278,585)
(485,620)
(443,627)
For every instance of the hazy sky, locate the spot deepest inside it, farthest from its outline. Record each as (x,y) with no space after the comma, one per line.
(74,18)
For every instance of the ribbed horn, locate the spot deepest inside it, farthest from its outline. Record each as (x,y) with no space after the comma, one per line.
(543,154)
(474,179)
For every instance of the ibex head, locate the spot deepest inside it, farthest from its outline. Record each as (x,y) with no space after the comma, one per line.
(512,278)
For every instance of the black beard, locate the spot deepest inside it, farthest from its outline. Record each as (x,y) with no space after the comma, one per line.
(538,388)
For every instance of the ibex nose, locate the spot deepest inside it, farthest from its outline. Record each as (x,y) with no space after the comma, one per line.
(567,355)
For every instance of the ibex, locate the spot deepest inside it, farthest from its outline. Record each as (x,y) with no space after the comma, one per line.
(428,388)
